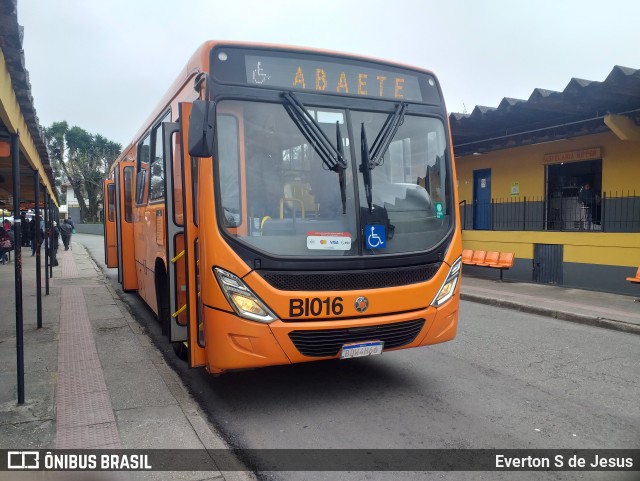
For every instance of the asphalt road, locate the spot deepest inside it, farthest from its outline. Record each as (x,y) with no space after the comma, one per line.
(509,380)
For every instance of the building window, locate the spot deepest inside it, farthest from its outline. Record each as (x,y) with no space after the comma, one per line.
(574,195)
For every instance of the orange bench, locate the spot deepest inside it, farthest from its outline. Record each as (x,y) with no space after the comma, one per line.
(636,279)
(490,259)
(497,260)
(471,257)
(505,261)
(478,257)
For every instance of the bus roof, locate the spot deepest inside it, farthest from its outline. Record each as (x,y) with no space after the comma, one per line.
(199,62)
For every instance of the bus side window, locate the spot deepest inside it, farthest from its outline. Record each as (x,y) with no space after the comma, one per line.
(176,170)
(128,194)
(156,187)
(111,199)
(142,170)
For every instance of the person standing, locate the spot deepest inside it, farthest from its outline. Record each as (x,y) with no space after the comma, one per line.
(52,242)
(26,232)
(587,197)
(55,236)
(65,233)
(23,223)
(35,225)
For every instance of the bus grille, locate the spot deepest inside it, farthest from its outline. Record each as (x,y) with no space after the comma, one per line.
(328,342)
(349,280)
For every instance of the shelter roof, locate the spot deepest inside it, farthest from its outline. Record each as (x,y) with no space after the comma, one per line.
(17,111)
(548,115)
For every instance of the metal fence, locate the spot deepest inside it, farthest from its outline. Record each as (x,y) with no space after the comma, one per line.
(613,212)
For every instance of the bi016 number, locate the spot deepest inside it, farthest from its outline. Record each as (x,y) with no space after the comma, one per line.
(315,307)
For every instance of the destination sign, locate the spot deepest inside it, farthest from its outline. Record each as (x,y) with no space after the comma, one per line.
(331,77)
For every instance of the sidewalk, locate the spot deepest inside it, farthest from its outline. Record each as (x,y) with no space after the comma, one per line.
(610,311)
(93,379)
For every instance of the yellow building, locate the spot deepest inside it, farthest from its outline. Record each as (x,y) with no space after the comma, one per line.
(556,179)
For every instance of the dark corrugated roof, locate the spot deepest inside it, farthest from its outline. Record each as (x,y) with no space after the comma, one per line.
(11,35)
(548,115)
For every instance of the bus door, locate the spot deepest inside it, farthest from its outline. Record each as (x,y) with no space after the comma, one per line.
(110,239)
(124,226)
(182,238)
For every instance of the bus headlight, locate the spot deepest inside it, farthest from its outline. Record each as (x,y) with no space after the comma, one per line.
(242,299)
(449,286)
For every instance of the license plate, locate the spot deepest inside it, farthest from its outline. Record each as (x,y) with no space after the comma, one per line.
(361,349)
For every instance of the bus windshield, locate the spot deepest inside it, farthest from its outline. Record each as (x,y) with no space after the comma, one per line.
(278,194)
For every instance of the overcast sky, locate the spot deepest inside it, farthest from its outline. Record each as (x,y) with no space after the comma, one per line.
(103,65)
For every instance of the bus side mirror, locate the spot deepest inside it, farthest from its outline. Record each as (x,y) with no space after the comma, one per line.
(201,128)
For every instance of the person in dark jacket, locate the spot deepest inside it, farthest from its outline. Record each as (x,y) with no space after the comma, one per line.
(52,240)
(35,224)
(590,202)
(23,226)
(65,232)
(56,236)
(26,233)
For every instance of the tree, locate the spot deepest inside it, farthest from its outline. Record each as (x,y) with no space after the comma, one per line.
(55,141)
(84,159)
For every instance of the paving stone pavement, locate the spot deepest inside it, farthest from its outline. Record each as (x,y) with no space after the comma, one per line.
(93,379)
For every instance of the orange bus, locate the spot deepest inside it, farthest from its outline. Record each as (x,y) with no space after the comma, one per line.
(284,205)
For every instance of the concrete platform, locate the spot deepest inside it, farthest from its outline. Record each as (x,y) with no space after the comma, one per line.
(92,380)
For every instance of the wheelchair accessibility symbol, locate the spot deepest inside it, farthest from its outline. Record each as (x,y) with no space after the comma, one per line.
(376,236)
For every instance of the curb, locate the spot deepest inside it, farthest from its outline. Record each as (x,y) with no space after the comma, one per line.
(208,433)
(561,315)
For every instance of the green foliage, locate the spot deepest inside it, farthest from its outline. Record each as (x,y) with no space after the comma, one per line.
(83,159)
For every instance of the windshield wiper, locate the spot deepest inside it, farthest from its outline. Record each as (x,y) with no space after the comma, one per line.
(386,134)
(371,158)
(332,156)
(341,177)
(365,166)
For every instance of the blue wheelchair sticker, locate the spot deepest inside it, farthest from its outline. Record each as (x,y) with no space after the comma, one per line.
(376,236)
